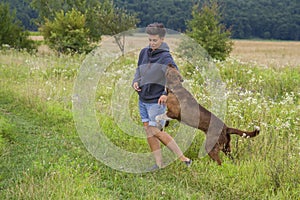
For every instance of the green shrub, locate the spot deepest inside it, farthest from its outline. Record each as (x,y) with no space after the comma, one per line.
(206,28)
(67,32)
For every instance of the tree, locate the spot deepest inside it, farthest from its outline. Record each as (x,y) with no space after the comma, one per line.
(114,21)
(67,32)
(11,32)
(205,28)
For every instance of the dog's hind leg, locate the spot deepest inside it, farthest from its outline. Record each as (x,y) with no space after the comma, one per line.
(226,147)
(214,154)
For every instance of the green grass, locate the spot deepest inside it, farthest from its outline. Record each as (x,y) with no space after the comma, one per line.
(34,33)
(42,156)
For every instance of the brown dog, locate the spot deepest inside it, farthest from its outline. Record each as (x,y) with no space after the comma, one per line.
(181,105)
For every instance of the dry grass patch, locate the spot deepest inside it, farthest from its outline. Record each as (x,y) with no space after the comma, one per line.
(268,53)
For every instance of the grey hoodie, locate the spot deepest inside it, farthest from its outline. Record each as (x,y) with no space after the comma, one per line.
(150,73)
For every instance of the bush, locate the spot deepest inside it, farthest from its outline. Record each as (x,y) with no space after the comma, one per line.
(67,32)
(205,28)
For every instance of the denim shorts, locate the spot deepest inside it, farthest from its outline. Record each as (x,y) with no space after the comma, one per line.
(148,112)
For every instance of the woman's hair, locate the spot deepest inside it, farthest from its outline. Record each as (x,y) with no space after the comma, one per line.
(156,29)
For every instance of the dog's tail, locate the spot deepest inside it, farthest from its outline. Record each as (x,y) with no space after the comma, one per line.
(245,134)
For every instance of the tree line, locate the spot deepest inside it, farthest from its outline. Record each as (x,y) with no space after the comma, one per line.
(265,19)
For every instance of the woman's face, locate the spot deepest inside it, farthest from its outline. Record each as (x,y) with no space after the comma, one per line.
(155,41)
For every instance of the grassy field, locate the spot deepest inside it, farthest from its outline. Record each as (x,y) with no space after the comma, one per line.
(267,53)
(42,156)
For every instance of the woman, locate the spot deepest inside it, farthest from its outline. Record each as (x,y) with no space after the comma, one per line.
(149,82)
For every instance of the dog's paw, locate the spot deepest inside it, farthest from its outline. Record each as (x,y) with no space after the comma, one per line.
(158,118)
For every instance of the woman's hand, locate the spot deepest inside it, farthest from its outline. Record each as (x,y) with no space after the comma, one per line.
(136,86)
(163,99)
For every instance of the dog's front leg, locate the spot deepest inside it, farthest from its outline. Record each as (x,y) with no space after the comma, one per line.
(161,117)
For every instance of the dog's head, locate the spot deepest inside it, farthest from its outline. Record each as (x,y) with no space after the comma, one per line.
(173,77)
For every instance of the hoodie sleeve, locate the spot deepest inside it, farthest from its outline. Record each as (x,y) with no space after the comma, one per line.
(137,76)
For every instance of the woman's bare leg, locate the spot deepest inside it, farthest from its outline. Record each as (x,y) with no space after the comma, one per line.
(167,140)
(154,145)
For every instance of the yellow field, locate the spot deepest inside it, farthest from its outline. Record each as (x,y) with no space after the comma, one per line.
(265,53)
(268,53)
